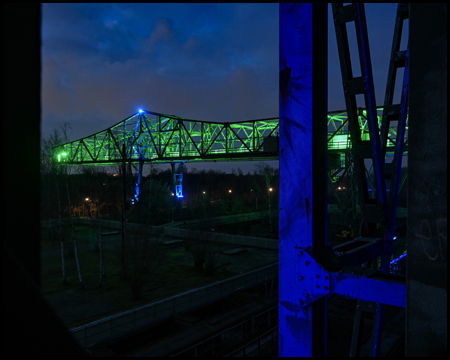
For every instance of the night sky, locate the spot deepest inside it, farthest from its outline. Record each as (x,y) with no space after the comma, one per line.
(215,62)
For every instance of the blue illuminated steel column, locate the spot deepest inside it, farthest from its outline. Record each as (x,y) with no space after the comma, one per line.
(303,176)
(177,175)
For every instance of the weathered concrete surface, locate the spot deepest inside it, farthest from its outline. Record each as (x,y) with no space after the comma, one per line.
(426,325)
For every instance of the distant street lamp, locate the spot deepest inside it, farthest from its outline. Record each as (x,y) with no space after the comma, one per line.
(87,199)
(270,189)
(229,191)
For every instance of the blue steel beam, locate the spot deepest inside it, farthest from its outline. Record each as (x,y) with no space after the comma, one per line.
(314,282)
(387,289)
(303,172)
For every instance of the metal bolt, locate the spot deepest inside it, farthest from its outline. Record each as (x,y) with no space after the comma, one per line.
(326,277)
(326,287)
(317,286)
(301,277)
(306,263)
(317,276)
(300,253)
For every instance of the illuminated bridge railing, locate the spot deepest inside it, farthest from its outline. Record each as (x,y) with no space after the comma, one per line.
(162,138)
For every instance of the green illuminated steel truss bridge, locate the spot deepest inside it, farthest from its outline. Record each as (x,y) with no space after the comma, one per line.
(161,138)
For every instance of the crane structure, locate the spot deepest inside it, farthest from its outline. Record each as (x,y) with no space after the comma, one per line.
(159,138)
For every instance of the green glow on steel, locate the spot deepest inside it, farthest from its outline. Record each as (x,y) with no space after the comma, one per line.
(160,138)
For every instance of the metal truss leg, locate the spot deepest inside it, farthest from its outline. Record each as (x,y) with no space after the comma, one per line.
(138,183)
(358,326)
(377,329)
(178,179)
(364,310)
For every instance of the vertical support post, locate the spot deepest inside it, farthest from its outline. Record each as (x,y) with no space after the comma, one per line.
(426,315)
(173,187)
(124,198)
(138,183)
(303,171)
(177,179)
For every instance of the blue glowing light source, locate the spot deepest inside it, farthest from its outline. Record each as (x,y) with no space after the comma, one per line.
(395,237)
(141,111)
(400,257)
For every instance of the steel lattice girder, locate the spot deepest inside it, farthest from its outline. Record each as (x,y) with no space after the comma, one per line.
(163,138)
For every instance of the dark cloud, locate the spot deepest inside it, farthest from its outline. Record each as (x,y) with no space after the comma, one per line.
(217,62)
(101,62)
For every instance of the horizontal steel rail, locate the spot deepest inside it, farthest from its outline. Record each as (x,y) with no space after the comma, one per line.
(128,321)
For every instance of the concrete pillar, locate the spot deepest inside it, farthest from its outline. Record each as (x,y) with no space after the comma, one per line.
(426,324)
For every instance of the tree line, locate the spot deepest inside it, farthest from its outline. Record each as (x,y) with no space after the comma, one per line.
(93,192)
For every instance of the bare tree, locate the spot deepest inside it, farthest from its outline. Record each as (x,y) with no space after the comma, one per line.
(66,169)
(47,164)
(204,250)
(267,174)
(96,181)
(142,255)
(143,259)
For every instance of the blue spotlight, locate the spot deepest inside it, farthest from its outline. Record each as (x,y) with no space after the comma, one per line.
(141,111)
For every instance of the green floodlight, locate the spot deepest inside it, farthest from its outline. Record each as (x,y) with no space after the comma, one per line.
(59,156)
